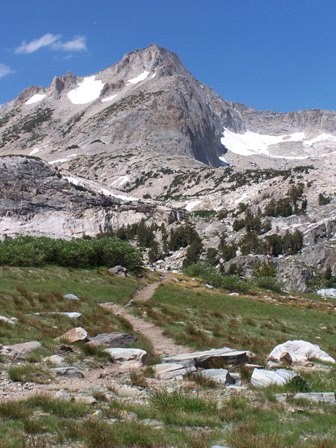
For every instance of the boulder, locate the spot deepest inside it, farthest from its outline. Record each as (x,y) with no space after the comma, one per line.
(327,293)
(264,378)
(221,376)
(299,351)
(75,335)
(19,351)
(118,270)
(113,340)
(214,358)
(70,297)
(8,320)
(167,371)
(68,371)
(127,354)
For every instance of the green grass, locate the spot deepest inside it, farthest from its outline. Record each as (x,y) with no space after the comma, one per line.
(26,291)
(203,319)
(29,373)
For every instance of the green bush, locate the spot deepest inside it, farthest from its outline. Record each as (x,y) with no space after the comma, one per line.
(84,252)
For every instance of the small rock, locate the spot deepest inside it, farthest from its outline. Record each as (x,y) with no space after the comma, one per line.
(118,270)
(71,315)
(85,399)
(69,371)
(63,395)
(125,391)
(113,340)
(221,376)
(54,359)
(8,320)
(75,335)
(127,354)
(70,297)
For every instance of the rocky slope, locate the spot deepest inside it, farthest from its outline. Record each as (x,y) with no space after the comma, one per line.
(143,139)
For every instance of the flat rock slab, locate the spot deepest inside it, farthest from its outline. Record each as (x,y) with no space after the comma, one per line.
(264,378)
(20,350)
(214,358)
(69,371)
(168,371)
(317,397)
(299,352)
(127,354)
(220,376)
(74,335)
(113,340)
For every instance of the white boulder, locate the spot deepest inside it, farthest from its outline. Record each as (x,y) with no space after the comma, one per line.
(264,378)
(299,351)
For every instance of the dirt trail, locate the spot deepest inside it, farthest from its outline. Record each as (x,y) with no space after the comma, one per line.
(162,344)
(100,376)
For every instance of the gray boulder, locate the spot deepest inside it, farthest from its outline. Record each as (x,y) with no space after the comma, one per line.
(221,376)
(118,270)
(264,378)
(127,354)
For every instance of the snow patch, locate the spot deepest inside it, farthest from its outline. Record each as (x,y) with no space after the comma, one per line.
(252,143)
(34,151)
(67,159)
(191,205)
(36,98)
(87,91)
(328,138)
(120,181)
(108,98)
(93,186)
(139,78)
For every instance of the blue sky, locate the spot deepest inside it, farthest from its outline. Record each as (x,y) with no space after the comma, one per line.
(269,54)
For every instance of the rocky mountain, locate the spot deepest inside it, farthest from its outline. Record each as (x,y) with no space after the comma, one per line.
(143,139)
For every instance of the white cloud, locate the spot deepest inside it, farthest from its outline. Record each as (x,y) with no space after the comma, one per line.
(5,70)
(54,42)
(76,44)
(36,44)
